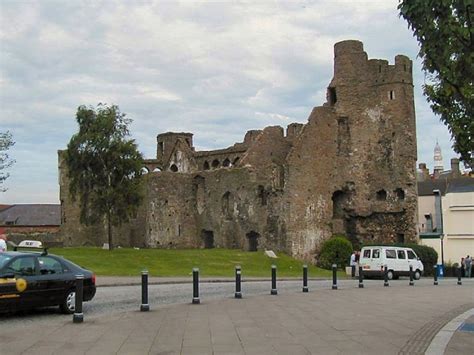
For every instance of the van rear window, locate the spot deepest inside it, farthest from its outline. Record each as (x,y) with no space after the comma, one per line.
(376,253)
(390,254)
(367,253)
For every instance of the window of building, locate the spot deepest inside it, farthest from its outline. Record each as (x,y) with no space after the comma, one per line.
(226,163)
(215,163)
(206,165)
(174,168)
(400,194)
(381,195)
(391,95)
(331,96)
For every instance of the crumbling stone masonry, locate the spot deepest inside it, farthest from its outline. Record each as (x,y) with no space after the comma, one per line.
(350,169)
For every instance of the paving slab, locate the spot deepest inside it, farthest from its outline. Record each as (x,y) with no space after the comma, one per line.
(373,320)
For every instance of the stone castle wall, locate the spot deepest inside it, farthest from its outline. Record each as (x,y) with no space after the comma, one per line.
(349,170)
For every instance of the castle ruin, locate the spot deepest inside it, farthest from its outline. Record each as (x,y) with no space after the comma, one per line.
(349,170)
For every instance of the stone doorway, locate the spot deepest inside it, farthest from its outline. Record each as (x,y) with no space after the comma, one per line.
(208,239)
(252,241)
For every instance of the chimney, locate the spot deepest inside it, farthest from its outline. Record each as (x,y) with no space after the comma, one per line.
(455,172)
(424,171)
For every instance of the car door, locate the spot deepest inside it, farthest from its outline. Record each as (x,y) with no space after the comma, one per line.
(402,262)
(51,279)
(26,267)
(412,260)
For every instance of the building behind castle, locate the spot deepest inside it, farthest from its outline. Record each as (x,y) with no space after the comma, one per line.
(349,170)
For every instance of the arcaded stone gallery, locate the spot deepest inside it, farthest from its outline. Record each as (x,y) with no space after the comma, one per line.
(349,170)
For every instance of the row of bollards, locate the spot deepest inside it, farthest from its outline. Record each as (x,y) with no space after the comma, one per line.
(78,316)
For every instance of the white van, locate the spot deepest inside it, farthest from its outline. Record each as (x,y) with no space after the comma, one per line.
(398,260)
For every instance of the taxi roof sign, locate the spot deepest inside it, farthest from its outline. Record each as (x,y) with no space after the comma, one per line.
(31,244)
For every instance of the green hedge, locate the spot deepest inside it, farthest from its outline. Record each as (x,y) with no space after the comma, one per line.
(427,255)
(336,250)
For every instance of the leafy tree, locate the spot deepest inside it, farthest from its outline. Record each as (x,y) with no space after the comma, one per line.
(104,167)
(6,142)
(444,29)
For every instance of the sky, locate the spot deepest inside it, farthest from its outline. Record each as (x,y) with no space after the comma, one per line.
(216,69)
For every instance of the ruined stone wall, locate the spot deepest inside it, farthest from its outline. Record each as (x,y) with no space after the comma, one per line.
(350,170)
(221,208)
(73,233)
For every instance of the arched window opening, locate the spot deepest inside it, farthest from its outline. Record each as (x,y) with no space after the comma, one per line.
(226,163)
(145,170)
(400,194)
(338,200)
(207,239)
(227,205)
(206,165)
(262,195)
(331,96)
(252,241)
(174,168)
(215,163)
(381,195)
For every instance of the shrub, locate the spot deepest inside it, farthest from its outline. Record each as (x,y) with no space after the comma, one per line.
(336,250)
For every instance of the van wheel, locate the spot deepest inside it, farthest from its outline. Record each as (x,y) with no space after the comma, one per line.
(390,275)
(417,275)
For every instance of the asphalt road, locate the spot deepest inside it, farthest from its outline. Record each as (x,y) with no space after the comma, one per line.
(110,300)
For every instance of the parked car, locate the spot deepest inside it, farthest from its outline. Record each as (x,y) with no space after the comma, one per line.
(398,260)
(38,279)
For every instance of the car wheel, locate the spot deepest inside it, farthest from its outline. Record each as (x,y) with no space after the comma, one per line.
(68,305)
(417,275)
(390,275)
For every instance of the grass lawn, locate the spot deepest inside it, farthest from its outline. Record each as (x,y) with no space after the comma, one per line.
(165,262)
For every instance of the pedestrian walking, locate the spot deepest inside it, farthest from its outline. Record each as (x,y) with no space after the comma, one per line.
(463,267)
(468,266)
(353,264)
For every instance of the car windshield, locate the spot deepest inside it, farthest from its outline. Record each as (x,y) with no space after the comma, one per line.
(4,259)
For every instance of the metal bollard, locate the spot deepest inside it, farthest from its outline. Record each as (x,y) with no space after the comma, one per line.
(78,316)
(385,277)
(435,282)
(361,278)
(144,307)
(334,276)
(459,276)
(196,286)
(411,276)
(238,288)
(305,278)
(274,281)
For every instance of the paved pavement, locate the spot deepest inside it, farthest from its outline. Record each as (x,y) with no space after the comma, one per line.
(390,320)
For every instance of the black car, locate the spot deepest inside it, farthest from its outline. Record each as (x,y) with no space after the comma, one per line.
(31,280)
